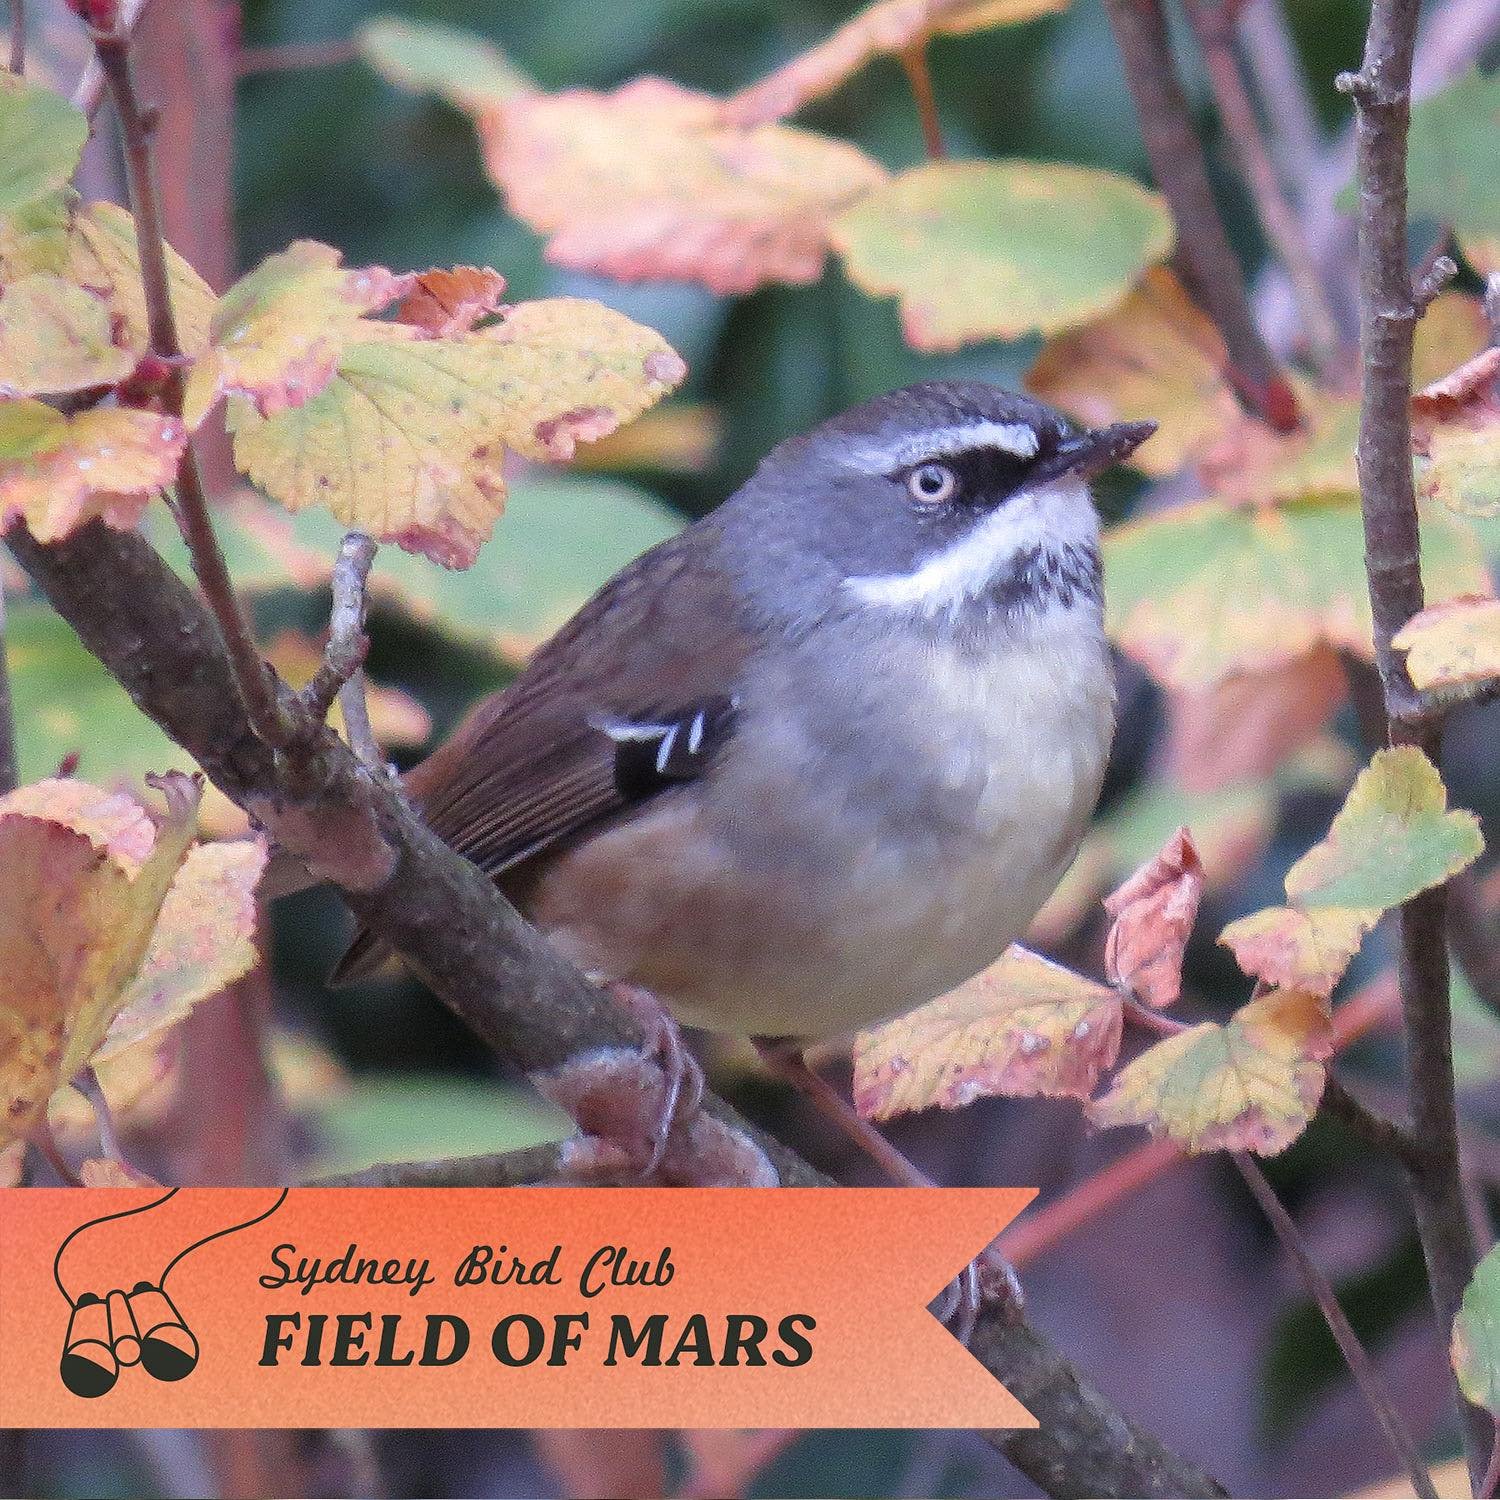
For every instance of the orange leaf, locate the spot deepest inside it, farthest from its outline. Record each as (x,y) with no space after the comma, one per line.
(446,302)
(650,183)
(1024,1026)
(1154,913)
(1250,1084)
(887,26)
(58,471)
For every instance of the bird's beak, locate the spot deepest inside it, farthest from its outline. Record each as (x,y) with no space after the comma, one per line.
(1091,452)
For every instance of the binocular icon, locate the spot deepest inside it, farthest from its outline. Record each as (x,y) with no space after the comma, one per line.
(110,1333)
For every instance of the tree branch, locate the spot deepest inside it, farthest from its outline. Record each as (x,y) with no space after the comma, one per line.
(253,678)
(1213,25)
(340,674)
(454,929)
(18,37)
(1211,270)
(1366,1376)
(9,772)
(1388,313)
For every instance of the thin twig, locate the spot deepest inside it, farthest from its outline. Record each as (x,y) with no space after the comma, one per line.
(18,37)
(340,674)
(294,56)
(1211,269)
(1366,1376)
(9,773)
(252,675)
(919,76)
(1214,27)
(1372,1128)
(89,94)
(1388,313)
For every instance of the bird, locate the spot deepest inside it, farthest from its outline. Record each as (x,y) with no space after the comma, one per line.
(822,755)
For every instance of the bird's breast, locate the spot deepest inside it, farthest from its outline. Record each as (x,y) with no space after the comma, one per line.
(868,840)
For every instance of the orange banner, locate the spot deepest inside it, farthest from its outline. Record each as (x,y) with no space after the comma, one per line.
(523,1307)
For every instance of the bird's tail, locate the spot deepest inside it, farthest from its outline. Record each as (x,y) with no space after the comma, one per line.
(365,957)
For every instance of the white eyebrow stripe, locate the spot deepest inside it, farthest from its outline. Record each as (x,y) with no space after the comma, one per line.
(1015,438)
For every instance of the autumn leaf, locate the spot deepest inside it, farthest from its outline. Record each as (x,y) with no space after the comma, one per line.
(1475,1348)
(56,337)
(1153,916)
(971,248)
(649,183)
(447,302)
(1154,356)
(1453,646)
(1393,838)
(57,471)
(889,26)
(407,440)
(203,940)
(276,335)
(93,246)
(427,57)
(86,875)
(1263,584)
(1024,1026)
(41,139)
(1250,1084)
(1456,436)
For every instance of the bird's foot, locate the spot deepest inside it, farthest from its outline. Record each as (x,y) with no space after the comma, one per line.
(681,1094)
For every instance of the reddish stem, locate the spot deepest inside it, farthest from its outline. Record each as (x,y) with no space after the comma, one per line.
(919,76)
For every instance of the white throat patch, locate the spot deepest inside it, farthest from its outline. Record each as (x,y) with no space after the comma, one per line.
(1060,514)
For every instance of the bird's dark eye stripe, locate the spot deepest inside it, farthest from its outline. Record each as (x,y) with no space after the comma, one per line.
(990,472)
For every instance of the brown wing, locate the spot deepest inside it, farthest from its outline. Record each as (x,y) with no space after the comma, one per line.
(661,645)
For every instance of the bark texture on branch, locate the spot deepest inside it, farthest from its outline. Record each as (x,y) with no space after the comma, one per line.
(1389,306)
(497,973)
(1210,268)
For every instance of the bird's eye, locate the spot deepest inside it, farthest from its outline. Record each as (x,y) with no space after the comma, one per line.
(931,484)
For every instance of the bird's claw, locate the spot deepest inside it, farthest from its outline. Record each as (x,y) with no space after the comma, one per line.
(683,1085)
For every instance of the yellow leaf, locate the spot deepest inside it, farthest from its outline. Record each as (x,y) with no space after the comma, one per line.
(650,183)
(1452,331)
(1393,838)
(58,471)
(93,246)
(76,914)
(408,438)
(202,941)
(1154,356)
(1262,584)
(1455,644)
(885,27)
(971,248)
(1250,1084)
(277,333)
(56,337)
(1456,436)
(1024,1026)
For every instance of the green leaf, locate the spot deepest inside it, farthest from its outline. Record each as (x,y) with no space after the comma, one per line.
(41,138)
(998,249)
(400,1117)
(428,57)
(1262,584)
(1393,837)
(1476,1336)
(64,701)
(1451,153)
(561,538)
